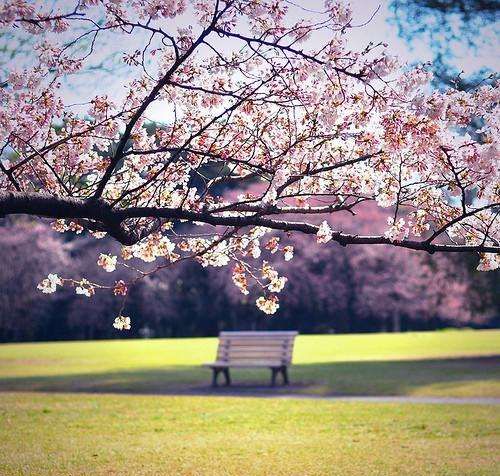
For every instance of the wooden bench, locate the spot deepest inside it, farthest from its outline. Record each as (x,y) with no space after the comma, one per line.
(249,349)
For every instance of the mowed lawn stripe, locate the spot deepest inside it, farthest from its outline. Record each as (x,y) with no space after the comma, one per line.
(445,363)
(149,435)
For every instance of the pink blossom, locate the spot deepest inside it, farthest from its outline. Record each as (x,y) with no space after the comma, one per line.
(325,233)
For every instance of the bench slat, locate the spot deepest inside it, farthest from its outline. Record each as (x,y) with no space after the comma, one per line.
(234,358)
(258,333)
(255,343)
(259,344)
(264,348)
(250,364)
(255,350)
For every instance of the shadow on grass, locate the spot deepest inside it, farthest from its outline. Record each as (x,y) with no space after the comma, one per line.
(446,377)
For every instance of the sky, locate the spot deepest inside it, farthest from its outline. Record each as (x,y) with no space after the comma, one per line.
(375,15)
(381,29)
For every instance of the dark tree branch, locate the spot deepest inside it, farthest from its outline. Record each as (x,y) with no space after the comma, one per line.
(112,220)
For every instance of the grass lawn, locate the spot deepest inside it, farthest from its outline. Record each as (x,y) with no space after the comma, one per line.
(81,434)
(447,363)
(45,430)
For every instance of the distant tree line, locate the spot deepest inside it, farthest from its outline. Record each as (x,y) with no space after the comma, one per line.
(330,289)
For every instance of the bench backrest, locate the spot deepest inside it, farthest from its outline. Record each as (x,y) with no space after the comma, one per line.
(251,346)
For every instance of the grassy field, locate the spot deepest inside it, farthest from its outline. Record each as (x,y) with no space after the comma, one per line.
(45,430)
(448,363)
(83,434)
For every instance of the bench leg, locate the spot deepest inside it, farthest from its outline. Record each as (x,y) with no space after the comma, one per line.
(227,376)
(284,372)
(274,372)
(215,373)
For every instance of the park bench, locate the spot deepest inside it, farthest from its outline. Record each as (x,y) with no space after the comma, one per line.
(249,349)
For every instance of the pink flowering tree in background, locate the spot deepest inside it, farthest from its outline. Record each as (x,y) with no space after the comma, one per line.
(348,289)
(277,109)
(22,313)
(329,288)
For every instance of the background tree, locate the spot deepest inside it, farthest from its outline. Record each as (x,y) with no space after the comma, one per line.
(450,27)
(330,289)
(23,315)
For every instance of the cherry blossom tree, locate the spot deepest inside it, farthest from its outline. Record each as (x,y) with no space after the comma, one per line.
(260,93)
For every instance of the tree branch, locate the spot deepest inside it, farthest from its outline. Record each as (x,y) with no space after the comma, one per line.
(112,221)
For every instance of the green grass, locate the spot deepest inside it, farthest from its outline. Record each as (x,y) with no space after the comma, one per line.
(452,363)
(83,434)
(110,434)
